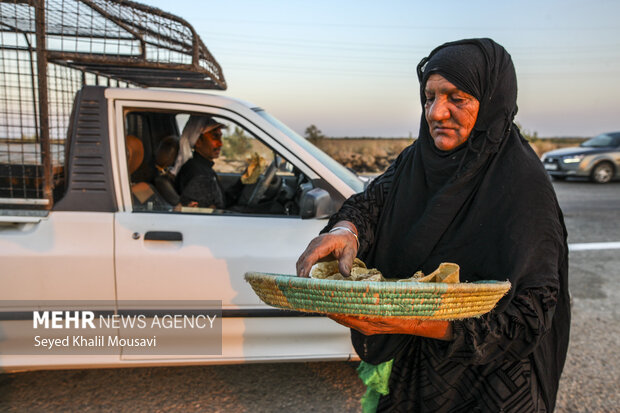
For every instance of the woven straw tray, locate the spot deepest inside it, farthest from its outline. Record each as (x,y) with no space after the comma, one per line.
(438,301)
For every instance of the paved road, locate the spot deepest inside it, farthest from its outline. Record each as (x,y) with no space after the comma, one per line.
(591,379)
(590,382)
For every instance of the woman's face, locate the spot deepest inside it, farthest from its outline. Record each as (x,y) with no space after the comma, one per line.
(450,112)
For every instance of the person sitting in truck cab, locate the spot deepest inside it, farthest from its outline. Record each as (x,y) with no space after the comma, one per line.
(197,182)
(143,195)
(165,156)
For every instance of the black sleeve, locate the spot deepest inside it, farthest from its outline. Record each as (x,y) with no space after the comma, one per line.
(364,209)
(205,190)
(184,176)
(233,193)
(512,334)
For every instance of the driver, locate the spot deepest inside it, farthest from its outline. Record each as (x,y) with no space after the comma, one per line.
(197,183)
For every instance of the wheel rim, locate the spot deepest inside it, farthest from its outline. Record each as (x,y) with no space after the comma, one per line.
(602,173)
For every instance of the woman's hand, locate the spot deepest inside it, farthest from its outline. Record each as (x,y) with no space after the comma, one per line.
(338,245)
(438,329)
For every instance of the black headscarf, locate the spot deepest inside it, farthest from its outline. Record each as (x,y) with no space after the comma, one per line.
(486,205)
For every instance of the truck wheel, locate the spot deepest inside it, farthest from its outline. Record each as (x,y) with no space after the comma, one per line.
(602,173)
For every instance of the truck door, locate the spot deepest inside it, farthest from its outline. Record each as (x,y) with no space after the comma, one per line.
(181,252)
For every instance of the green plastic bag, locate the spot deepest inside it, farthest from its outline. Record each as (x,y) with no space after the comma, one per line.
(376,378)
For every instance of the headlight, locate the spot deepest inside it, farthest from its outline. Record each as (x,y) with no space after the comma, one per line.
(572,158)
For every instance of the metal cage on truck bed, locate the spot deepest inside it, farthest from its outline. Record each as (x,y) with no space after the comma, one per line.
(50,49)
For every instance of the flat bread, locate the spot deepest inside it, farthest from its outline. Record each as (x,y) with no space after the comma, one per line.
(329,271)
(256,166)
(447,272)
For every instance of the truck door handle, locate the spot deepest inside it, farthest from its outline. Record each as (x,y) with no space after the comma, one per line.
(163,236)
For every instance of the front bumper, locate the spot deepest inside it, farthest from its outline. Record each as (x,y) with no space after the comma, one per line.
(555,167)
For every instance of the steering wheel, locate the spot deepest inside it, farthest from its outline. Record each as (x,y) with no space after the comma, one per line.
(263,183)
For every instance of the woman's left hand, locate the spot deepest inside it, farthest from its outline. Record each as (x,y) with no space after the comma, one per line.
(438,329)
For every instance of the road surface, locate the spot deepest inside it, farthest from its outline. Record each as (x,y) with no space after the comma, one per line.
(590,382)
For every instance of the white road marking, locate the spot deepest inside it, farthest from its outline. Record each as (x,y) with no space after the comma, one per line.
(584,246)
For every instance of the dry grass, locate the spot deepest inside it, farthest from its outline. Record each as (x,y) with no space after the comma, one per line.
(375,155)
(364,154)
(541,146)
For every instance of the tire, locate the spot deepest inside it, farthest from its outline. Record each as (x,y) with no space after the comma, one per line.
(602,173)
(558,178)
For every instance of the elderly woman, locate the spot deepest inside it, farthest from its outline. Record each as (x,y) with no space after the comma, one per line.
(470,191)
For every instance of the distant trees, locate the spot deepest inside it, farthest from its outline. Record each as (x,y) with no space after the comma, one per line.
(528,135)
(236,144)
(314,134)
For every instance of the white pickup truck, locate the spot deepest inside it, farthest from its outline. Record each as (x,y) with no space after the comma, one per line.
(70,227)
(95,244)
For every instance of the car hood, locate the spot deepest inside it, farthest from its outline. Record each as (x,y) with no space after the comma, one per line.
(577,150)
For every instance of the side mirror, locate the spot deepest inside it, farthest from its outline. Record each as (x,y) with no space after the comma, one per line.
(315,203)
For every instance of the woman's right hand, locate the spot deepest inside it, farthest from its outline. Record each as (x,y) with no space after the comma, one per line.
(338,245)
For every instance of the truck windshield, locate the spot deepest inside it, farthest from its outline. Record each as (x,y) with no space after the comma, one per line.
(343,173)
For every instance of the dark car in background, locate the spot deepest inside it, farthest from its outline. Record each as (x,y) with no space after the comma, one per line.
(597,158)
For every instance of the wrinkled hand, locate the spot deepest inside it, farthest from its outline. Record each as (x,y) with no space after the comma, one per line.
(339,245)
(438,329)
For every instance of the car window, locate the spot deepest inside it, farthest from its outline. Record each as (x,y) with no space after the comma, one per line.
(213,166)
(343,173)
(600,141)
(239,149)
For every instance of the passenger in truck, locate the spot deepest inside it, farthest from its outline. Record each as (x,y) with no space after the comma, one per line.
(165,156)
(144,196)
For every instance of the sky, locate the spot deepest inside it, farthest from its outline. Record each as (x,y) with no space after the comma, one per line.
(348,67)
